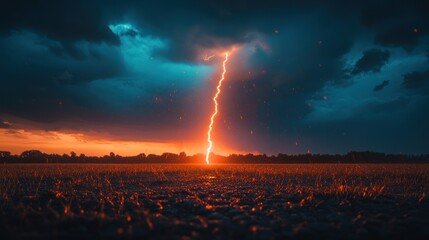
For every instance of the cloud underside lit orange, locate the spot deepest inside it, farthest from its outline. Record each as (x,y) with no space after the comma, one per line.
(17,141)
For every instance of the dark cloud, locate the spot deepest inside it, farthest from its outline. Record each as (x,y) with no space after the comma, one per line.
(35,72)
(63,21)
(405,35)
(417,80)
(380,86)
(371,61)
(5,124)
(196,25)
(377,125)
(375,134)
(427,55)
(380,107)
(31,58)
(223,23)
(397,23)
(273,102)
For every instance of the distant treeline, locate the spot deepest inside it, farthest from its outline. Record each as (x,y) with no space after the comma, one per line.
(36,156)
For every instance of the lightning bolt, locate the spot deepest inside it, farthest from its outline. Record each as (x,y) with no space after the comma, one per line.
(209,148)
(206,58)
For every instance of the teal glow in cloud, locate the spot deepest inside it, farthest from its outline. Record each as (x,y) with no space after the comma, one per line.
(138,52)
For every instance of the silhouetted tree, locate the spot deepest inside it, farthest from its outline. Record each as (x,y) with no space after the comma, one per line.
(36,156)
(31,154)
(4,154)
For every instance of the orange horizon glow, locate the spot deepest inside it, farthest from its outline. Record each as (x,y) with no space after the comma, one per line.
(209,148)
(56,142)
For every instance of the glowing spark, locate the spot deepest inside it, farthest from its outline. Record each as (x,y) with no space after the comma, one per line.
(209,148)
(206,58)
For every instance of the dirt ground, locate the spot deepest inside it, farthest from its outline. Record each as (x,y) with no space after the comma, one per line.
(160,201)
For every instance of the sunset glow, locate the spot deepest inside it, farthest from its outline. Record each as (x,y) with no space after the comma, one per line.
(54,142)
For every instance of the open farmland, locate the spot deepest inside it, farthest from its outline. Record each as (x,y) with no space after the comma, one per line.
(175,201)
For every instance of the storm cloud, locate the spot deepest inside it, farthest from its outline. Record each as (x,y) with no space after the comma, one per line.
(380,86)
(372,61)
(417,80)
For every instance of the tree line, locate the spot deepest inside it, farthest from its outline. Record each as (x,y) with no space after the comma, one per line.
(36,156)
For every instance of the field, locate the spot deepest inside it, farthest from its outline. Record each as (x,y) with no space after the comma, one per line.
(297,201)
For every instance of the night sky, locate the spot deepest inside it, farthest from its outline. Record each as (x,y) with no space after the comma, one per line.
(131,76)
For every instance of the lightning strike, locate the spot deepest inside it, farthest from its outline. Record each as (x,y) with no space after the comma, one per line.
(207,58)
(209,148)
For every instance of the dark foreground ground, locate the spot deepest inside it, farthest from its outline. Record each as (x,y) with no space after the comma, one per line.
(215,202)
